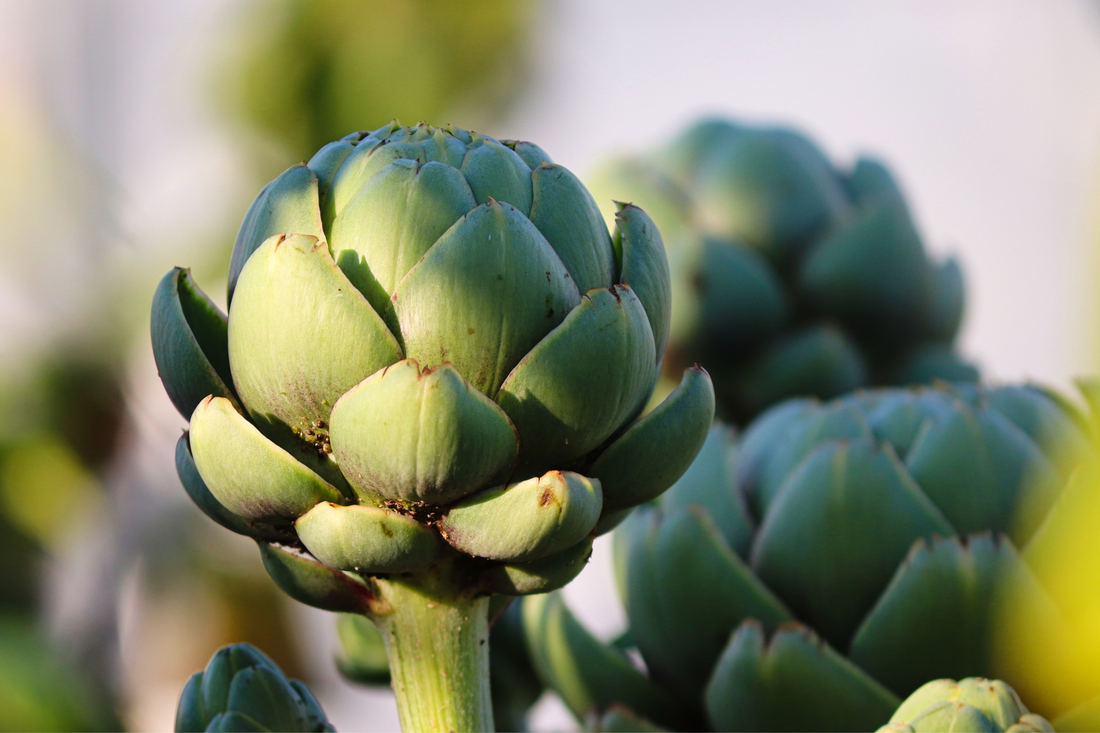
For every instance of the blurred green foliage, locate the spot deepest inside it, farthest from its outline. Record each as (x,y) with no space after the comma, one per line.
(329,67)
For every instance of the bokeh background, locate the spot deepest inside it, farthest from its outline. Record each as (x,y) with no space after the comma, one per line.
(133,135)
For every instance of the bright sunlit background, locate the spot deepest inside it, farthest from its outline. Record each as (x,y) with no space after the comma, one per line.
(134,134)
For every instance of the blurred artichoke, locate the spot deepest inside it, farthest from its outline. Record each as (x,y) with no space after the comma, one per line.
(242,690)
(412,406)
(790,277)
(973,705)
(836,558)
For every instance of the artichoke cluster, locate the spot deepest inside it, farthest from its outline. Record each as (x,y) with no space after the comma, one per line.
(972,705)
(790,276)
(242,689)
(838,556)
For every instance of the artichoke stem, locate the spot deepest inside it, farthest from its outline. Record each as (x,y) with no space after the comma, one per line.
(437,641)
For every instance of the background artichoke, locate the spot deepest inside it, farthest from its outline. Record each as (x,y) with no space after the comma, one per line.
(791,277)
(835,559)
(241,689)
(974,705)
(412,406)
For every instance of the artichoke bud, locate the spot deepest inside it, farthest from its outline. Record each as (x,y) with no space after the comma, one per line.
(789,277)
(241,689)
(973,704)
(432,335)
(885,523)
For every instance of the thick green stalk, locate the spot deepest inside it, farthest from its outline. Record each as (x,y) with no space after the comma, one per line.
(437,640)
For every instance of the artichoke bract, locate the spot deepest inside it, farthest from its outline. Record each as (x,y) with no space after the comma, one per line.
(429,389)
(832,560)
(972,705)
(242,689)
(791,277)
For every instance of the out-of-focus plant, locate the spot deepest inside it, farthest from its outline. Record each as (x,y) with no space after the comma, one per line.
(972,705)
(411,406)
(328,66)
(837,557)
(61,430)
(242,690)
(791,277)
(1060,665)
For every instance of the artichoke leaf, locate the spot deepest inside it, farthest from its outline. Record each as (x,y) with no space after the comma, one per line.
(315,584)
(946,303)
(362,656)
(496,172)
(974,465)
(942,598)
(679,623)
(837,421)
(601,350)
(483,296)
(393,220)
(837,531)
(190,713)
(792,682)
(288,205)
(190,337)
(414,435)
(532,154)
(567,215)
(819,361)
(324,164)
(525,521)
(211,507)
(247,473)
(370,156)
(709,483)
(300,336)
(538,576)
(656,451)
(644,267)
(871,273)
(586,674)
(367,539)
(261,693)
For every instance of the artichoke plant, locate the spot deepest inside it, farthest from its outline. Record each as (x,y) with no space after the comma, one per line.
(241,689)
(791,277)
(972,705)
(831,561)
(428,390)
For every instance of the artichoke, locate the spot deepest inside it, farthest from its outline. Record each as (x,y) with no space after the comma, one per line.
(834,559)
(241,689)
(429,389)
(791,277)
(973,705)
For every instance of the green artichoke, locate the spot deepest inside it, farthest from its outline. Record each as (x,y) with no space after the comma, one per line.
(242,690)
(972,705)
(835,558)
(429,389)
(791,277)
